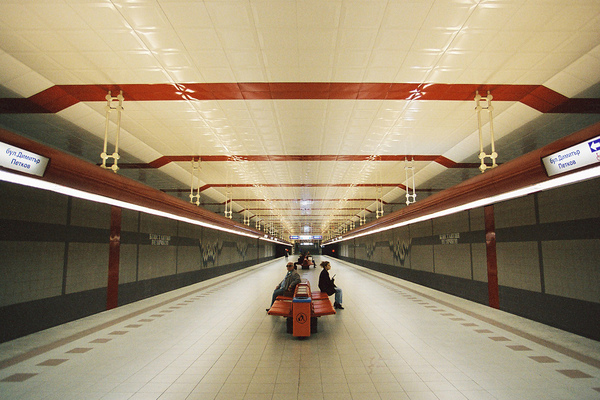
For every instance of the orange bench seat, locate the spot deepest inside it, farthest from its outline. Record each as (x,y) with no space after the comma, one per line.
(282,308)
(320,303)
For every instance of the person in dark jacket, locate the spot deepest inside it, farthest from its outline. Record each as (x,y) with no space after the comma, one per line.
(300,261)
(326,285)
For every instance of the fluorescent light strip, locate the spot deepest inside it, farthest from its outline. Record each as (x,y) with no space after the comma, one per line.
(53,187)
(538,187)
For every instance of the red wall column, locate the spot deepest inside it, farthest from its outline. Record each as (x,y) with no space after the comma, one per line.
(492,264)
(112,292)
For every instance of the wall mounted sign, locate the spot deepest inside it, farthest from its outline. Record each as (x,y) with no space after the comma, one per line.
(450,238)
(159,240)
(574,157)
(17,159)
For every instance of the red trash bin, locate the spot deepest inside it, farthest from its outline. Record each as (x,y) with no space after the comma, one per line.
(301,316)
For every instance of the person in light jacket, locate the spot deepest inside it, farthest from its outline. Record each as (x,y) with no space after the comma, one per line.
(326,285)
(288,284)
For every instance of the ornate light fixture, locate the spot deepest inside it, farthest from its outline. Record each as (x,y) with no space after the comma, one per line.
(119,108)
(478,108)
(228,205)
(362,219)
(195,198)
(379,204)
(410,197)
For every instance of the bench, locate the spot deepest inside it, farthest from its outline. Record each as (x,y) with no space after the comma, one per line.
(305,262)
(303,309)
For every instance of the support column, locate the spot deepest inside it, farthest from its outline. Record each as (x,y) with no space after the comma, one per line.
(492,264)
(112,291)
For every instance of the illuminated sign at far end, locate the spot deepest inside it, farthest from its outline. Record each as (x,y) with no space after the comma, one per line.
(306,237)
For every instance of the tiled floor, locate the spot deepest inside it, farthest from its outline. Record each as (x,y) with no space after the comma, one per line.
(213,340)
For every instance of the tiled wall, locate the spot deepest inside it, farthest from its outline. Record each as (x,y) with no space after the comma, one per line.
(548,252)
(55,248)
(572,269)
(30,277)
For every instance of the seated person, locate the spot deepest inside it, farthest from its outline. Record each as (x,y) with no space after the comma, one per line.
(306,263)
(326,285)
(300,261)
(310,260)
(288,284)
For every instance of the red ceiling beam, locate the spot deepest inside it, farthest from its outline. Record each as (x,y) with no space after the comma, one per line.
(59,97)
(164,160)
(293,185)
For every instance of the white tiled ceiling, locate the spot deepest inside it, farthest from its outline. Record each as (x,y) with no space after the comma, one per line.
(102,42)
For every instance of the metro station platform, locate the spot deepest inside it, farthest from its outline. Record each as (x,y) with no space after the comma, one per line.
(213,340)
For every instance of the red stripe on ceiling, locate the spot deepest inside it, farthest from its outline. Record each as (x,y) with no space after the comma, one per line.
(306,218)
(288,185)
(291,185)
(300,90)
(93,92)
(59,97)
(375,91)
(345,90)
(286,200)
(467,165)
(164,160)
(299,209)
(54,99)
(543,99)
(580,106)
(446,162)
(139,166)
(20,106)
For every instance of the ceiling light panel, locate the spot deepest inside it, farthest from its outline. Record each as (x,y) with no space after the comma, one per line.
(472,39)
(318,13)
(196,39)
(182,15)
(361,39)
(230,15)
(85,40)
(268,14)
(47,40)
(161,40)
(447,15)
(58,16)
(492,16)
(238,39)
(406,15)
(18,16)
(522,21)
(363,15)
(143,16)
